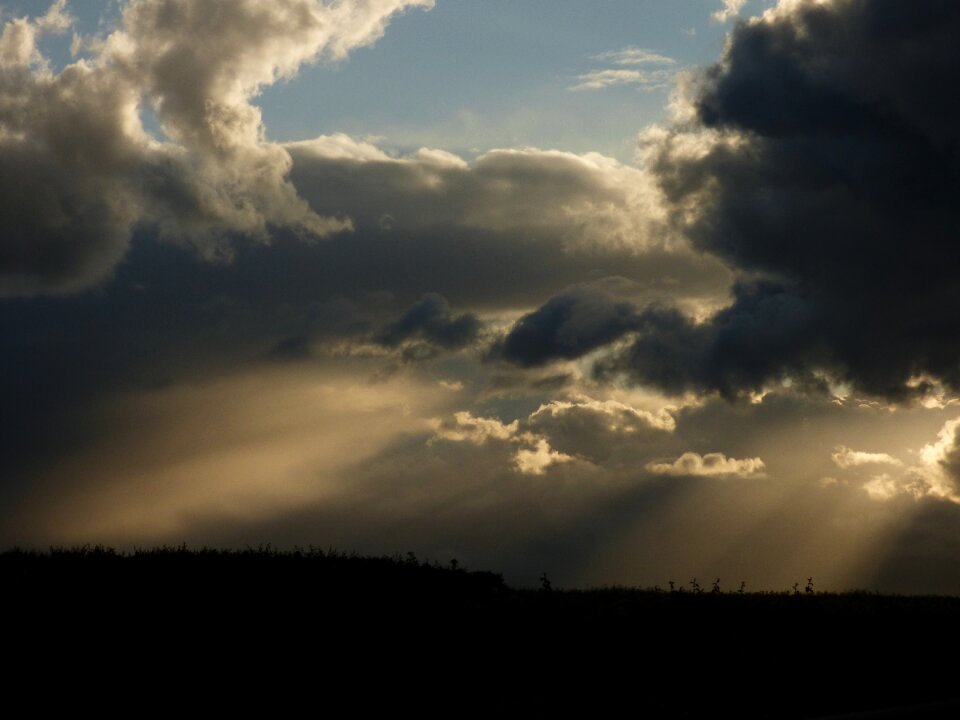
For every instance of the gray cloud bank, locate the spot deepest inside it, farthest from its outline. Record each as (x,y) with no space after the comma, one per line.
(80,174)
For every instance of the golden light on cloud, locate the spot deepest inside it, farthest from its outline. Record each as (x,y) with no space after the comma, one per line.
(709,465)
(536,461)
(845,457)
(477,430)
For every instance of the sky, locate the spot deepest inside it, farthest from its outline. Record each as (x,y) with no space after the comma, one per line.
(620,292)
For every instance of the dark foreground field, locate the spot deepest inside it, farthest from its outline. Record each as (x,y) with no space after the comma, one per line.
(324,634)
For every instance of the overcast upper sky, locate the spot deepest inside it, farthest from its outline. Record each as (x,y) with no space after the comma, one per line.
(620,291)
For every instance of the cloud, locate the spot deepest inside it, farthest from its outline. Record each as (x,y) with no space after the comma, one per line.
(934,476)
(882,487)
(567,326)
(601,431)
(584,200)
(730,9)
(939,471)
(819,159)
(525,222)
(167,316)
(537,460)
(845,458)
(759,338)
(476,430)
(634,56)
(618,415)
(78,172)
(233,49)
(66,144)
(57,18)
(709,465)
(755,341)
(653,77)
(561,431)
(647,80)
(533,457)
(430,320)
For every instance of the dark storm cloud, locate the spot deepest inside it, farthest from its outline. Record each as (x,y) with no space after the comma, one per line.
(765,335)
(824,157)
(431,320)
(568,326)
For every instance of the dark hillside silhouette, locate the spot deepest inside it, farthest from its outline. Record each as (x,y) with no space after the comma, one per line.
(372,637)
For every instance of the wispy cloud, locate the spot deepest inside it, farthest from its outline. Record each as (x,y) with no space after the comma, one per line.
(647,70)
(634,56)
(643,79)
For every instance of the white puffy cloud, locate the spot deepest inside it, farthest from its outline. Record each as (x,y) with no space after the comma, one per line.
(709,465)
(229,50)
(77,169)
(199,64)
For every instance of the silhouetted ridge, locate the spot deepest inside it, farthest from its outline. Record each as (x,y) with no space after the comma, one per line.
(371,635)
